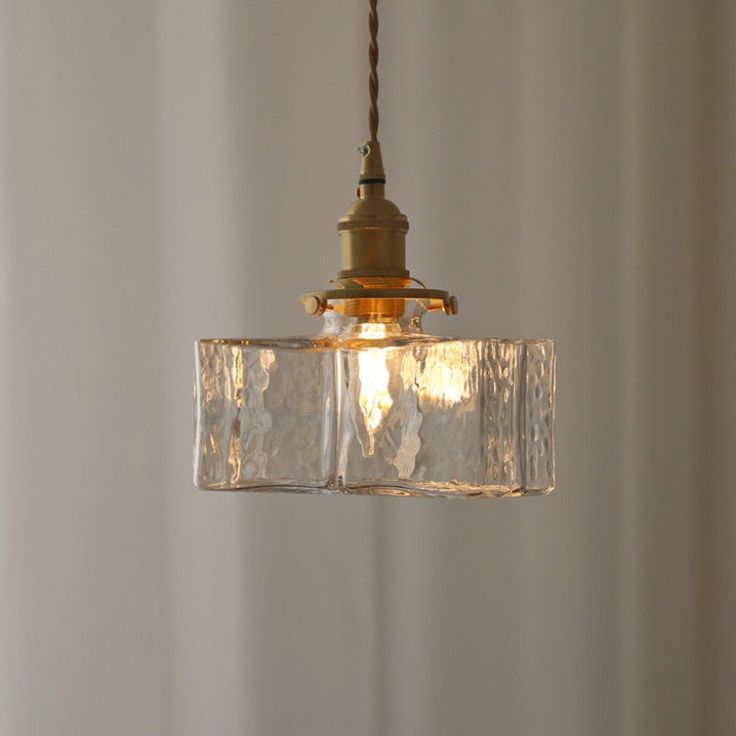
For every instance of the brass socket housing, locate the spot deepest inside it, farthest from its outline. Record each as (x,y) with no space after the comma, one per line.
(373,230)
(373,280)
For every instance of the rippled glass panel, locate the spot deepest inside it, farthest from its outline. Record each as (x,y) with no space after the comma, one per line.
(376,409)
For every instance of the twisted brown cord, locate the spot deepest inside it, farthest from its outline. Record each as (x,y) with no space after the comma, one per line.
(373,76)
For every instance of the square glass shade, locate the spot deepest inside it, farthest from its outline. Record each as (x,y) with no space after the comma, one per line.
(376,410)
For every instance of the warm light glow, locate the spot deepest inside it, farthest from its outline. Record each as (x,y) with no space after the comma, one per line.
(374,398)
(374,330)
(444,380)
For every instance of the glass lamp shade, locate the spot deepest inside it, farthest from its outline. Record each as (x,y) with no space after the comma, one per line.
(376,407)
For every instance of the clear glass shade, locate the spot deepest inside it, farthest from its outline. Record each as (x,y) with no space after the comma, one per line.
(376,407)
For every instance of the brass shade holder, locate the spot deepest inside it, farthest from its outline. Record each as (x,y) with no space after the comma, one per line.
(373,280)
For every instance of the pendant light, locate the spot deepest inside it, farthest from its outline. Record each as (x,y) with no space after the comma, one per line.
(372,404)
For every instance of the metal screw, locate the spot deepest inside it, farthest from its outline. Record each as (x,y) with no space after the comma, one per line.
(313,305)
(364,149)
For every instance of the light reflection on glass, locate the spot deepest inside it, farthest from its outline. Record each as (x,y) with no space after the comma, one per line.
(444,380)
(441,377)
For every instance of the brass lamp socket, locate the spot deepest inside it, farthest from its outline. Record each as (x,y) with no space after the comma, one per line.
(373,280)
(373,230)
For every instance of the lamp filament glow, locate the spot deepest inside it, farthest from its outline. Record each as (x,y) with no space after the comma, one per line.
(374,398)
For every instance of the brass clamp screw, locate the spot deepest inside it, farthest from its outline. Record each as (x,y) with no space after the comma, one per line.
(314,305)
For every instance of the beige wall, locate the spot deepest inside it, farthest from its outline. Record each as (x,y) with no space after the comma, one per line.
(568,170)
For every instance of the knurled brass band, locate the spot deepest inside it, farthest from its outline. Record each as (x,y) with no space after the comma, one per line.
(377,275)
(392,224)
(333,294)
(385,308)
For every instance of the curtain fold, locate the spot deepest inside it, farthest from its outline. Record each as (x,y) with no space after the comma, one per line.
(173,170)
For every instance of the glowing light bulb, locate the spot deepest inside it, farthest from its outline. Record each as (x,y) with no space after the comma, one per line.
(373,330)
(440,378)
(374,398)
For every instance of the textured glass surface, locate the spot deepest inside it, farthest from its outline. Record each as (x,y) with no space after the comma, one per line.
(376,408)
